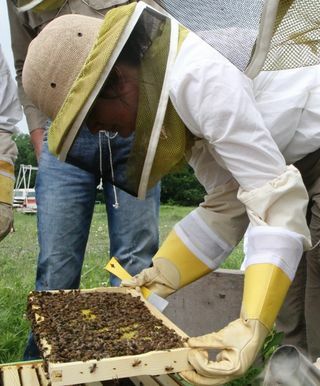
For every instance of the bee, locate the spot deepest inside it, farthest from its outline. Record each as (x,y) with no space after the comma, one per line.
(136,363)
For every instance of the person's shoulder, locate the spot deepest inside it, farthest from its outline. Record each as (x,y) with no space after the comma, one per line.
(197,59)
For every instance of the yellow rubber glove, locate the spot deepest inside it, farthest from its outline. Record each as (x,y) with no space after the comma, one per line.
(6,219)
(174,266)
(265,288)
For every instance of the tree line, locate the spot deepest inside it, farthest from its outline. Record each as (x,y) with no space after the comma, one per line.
(179,188)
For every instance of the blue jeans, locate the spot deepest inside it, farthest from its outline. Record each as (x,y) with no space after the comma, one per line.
(65,199)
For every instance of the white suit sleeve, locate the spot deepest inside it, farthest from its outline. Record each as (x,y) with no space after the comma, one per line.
(216,102)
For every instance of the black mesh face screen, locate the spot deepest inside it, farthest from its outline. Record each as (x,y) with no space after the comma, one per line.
(296,36)
(230,26)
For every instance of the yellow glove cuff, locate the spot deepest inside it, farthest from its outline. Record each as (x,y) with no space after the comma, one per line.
(6,182)
(189,267)
(265,287)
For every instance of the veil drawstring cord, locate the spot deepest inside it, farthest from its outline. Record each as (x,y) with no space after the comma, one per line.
(100,186)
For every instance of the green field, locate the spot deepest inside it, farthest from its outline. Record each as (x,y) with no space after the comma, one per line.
(18,254)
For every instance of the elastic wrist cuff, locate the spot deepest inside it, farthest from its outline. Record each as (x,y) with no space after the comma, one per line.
(276,246)
(201,240)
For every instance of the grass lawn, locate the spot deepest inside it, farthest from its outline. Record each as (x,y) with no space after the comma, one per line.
(18,254)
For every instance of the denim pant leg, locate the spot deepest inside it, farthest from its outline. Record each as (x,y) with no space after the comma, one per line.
(65,199)
(133,229)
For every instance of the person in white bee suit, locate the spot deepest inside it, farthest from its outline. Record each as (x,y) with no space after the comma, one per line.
(144,76)
(288,100)
(287,92)
(10,115)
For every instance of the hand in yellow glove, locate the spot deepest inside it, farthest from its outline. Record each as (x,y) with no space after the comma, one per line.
(240,342)
(160,280)
(6,219)
(174,266)
(264,291)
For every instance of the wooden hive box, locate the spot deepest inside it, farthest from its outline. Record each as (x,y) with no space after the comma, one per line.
(32,374)
(86,368)
(23,373)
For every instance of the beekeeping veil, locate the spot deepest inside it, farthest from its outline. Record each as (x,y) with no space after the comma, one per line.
(254,35)
(240,30)
(65,81)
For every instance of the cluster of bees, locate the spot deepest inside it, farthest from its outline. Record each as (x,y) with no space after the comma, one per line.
(79,326)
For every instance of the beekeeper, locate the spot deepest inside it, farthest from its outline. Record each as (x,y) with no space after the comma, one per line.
(288,100)
(142,75)
(10,114)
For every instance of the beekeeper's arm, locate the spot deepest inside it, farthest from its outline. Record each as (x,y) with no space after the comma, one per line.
(21,35)
(10,114)
(202,239)
(216,103)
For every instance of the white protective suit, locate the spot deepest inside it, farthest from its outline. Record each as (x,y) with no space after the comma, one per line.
(10,114)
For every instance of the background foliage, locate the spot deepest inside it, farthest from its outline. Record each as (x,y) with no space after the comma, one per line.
(182,188)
